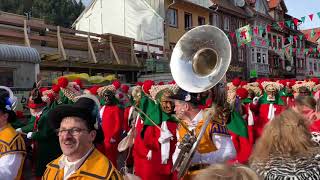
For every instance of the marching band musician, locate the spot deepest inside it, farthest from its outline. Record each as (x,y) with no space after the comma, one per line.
(215,145)
(45,144)
(12,146)
(153,148)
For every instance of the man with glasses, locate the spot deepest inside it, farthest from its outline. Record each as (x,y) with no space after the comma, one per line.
(77,128)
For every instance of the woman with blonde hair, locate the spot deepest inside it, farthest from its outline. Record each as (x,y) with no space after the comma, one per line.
(226,172)
(286,151)
(307,106)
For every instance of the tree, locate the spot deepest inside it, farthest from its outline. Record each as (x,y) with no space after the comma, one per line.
(57,12)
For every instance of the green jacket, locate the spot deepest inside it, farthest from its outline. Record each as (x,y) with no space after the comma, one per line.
(46,140)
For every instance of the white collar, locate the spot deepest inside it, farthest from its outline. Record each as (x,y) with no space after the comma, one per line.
(63,162)
(196,120)
(37,114)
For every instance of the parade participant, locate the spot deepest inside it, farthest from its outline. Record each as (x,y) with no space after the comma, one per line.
(67,91)
(316,92)
(285,150)
(159,142)
(12,146)
(126,104)
(303,88)
(76,126)
(270,105)
(286,93)
(216,145)
(45,144)
(239,124)
(306,106)
(111,122)
(153,148)
(205,99)
(251,107)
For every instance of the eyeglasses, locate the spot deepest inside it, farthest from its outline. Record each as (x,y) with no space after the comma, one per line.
(73,131)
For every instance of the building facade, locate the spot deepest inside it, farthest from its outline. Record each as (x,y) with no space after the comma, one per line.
(258,53)
(229,16)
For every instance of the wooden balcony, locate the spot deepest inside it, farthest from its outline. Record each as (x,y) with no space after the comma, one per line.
(262,69)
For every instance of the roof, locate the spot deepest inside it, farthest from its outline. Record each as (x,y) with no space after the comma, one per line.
(83,12)
(194,4)
(316,36)
(229,6)
(251,8)
(275,3)
(19,53)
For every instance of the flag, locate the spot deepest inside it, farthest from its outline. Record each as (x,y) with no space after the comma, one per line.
(269,26)
(303,19)
(295,21)
(243,35)
(288,23)
(312,33)
(232,34)
(311,16)
(237,124)
(301,36)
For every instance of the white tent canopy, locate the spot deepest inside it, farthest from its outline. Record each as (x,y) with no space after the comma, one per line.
(131,18)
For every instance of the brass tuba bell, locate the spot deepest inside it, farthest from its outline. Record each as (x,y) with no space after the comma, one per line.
(201,58)
(198,62)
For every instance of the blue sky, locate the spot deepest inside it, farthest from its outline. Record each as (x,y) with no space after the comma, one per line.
(300,8)
(86,2)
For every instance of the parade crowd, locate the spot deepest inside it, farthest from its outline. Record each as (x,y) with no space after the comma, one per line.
(263,129)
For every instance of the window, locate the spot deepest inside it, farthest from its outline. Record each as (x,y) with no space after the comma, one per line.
(252,55)
(269,38)
(263,33)
(315,67)
(215,20)
(201,20)
(258,57)
(226,23)
(240,24)
(310,66)
(275,15)
(187,21)
(263,58)
(279,42)
(6,77)
(172,45)
(173,17)
(274,44)
(276,62)
(240,54)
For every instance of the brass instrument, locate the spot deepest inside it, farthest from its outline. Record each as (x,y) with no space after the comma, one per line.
(199,61)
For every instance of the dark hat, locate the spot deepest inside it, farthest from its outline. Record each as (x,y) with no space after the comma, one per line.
(35,99)
(86,107)
(185,96)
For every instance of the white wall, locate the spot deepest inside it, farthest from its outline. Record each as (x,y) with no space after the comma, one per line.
(131,18)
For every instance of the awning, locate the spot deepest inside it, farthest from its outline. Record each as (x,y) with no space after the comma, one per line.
(19,54)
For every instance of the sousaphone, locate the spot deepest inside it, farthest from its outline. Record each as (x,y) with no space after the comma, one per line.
(199,61)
